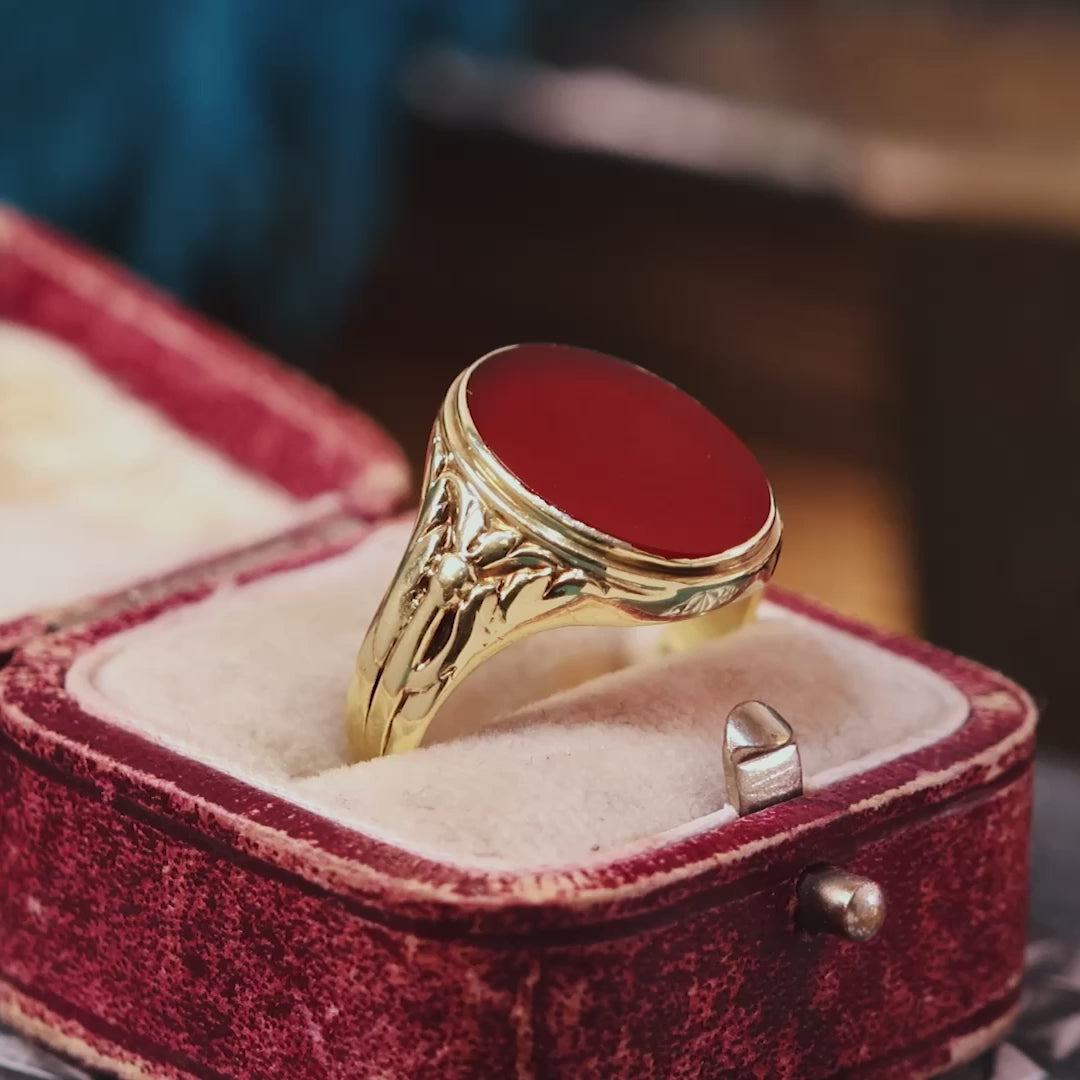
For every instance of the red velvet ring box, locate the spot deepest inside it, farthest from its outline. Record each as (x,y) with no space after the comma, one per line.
(196,883)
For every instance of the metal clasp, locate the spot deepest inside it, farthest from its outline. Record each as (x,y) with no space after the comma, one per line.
(761,758)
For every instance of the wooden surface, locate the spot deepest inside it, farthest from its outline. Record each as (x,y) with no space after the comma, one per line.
(924,113)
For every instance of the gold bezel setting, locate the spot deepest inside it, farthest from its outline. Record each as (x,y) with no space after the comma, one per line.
(626,567)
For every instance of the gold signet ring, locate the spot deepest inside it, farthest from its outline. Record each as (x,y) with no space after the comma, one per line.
(562,487)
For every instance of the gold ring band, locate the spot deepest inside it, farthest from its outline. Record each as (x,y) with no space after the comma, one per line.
(490,561)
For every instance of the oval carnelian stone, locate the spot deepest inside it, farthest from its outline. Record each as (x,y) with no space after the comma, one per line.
(619,449)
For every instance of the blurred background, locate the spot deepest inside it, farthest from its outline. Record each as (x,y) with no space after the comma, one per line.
(852,230)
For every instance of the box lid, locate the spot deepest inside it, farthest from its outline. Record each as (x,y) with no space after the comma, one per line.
(138,436)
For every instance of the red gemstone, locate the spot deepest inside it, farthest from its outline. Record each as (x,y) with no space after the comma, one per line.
(619,449)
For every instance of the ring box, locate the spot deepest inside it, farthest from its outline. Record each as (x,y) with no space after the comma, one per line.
(198,884)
